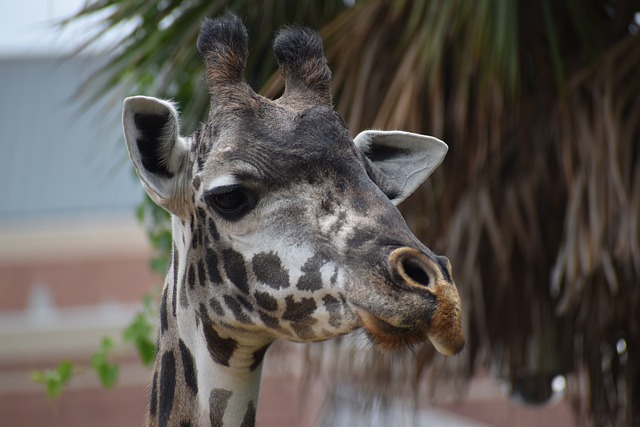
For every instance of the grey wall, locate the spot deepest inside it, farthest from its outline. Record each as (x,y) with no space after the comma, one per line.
(58,158)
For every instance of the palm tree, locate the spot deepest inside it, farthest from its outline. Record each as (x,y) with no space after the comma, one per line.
(538,202)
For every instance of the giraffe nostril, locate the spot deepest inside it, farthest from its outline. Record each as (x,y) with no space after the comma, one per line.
(411,267)
(415,271)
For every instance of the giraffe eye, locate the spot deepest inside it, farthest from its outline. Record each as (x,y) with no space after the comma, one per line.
(231,202)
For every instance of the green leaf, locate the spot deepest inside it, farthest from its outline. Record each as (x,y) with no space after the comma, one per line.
(146,350)
(107,344)
(158,228)
(37,376)
(53,387)
(159,264)
(139,212)
(65,370)
(54,380)
(140,333)
(147,303)
(106,371)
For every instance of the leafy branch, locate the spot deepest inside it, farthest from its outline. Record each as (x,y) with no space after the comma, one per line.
(54,379)
(103,361)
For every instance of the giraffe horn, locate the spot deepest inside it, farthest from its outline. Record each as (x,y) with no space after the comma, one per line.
(304,68)
(223,43)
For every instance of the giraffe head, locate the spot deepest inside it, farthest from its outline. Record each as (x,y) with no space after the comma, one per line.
(285,227)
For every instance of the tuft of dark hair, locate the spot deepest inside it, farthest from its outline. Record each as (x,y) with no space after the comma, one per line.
(224,44)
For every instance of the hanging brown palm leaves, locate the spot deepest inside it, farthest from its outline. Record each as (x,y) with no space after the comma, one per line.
(538,201)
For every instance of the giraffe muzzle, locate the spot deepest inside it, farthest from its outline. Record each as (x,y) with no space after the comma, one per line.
(438,318)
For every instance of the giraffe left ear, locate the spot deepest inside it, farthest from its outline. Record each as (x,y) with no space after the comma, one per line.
(404,159)
(158,153)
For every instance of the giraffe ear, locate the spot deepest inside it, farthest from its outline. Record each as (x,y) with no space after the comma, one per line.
(159,155)
(401,160)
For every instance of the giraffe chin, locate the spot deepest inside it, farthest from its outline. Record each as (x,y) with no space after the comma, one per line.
(389,337)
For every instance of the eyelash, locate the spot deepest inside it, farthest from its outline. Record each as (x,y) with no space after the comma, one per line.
(232,202)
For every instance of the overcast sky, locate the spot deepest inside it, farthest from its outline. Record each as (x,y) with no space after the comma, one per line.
(27,27)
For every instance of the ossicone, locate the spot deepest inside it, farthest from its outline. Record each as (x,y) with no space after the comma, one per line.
(223,43)
(300,56)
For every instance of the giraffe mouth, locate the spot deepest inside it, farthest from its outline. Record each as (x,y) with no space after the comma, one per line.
(389,337)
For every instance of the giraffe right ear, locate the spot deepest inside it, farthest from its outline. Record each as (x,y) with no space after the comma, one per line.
(159,155)
(403,160)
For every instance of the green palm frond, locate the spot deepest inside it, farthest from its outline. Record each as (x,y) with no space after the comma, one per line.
(155,51)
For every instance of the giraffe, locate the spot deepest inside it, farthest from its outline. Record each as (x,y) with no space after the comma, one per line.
(284,227)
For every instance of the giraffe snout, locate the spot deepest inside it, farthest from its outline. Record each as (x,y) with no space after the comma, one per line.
(432,275)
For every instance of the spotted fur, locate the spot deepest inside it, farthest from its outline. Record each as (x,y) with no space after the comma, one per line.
(188,367)
(221,349)
(268,269)
(167,388)
(217,404)
(249,419)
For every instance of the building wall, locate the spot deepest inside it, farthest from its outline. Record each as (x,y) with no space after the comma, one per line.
(62,156)
(73,260)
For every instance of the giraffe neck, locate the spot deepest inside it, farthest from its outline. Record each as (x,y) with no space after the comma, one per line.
(201,375)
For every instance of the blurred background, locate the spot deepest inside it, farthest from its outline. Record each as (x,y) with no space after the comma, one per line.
(537,205)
